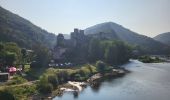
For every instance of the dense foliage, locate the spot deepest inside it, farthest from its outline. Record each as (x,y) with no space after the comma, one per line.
(54,77)
(5,95)
(18,33)
(16,80)
(112,52)
(112,30)
(101,66)
(13,28)
(21,92)
(10,54)
(149,59)
(41,57)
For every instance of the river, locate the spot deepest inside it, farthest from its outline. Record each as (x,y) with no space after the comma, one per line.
(145,82)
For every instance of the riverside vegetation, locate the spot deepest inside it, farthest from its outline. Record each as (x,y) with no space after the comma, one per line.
(149,59)
(49,80)
(100,50)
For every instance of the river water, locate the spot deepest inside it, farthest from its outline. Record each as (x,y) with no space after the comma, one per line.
(145,82)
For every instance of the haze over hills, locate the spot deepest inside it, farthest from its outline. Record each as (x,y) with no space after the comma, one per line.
(115,31)
(164,38)
(14,28)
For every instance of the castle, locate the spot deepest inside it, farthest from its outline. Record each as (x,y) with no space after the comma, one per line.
(77,39)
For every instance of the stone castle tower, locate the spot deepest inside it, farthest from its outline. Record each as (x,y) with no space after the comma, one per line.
(77,37)
(62,45)
(60,40)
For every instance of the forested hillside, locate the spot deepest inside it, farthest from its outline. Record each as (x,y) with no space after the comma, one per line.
(164,38)
(110,30)
(14,28)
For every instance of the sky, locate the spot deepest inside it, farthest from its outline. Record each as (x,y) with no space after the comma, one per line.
(147,17)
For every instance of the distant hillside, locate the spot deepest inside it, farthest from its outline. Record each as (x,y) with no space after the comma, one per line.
(112,30)
(14,28)
(164,38)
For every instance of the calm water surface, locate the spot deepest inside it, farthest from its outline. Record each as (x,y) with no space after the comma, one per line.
(145,82)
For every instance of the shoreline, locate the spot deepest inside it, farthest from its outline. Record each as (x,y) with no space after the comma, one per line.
(76,87)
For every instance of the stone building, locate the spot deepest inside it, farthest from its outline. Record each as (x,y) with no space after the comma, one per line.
(62,45)
(60,40)
(77,37)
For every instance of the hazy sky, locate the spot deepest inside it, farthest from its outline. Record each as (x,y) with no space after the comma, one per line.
(147,17)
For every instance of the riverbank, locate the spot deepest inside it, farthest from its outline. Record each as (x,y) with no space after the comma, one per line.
(151,59)
(75,87)
(149,81)
(93,80)
(56,81)
(115,73)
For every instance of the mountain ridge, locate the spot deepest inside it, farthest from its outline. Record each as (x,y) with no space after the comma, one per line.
(14,28)
(150,45)
(163,38)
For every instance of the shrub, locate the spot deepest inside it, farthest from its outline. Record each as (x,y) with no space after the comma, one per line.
(63,76)
(101,66)
(34,65)
(92,69)
(17,92)
(53,80)
(17,80)
(6,95)
(77,76)
(45,88)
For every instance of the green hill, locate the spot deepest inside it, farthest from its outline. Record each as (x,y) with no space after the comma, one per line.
(164,38)
(110,30)
(14,28)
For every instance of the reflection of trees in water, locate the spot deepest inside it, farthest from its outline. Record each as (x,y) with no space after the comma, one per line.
(75,94)
(96,86)
(60,95)
(109,79)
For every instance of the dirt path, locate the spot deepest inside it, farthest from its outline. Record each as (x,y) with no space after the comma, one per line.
(17,85)
(26,83)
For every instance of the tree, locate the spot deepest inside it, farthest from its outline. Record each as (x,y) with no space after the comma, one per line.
(10,58)
(94,50)
(6,95)
(53,80)
(1,47)
(24,52)
(116,52)
(101,66)
(12,49)
(2,54)
(63,76)
(42,56)
(44,86)
(111,54)
(8,54)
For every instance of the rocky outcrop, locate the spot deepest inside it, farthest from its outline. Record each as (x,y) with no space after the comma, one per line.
(114,73)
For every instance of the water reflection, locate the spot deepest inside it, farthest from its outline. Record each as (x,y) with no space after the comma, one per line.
(145,82)
(96,86)
(75,94)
